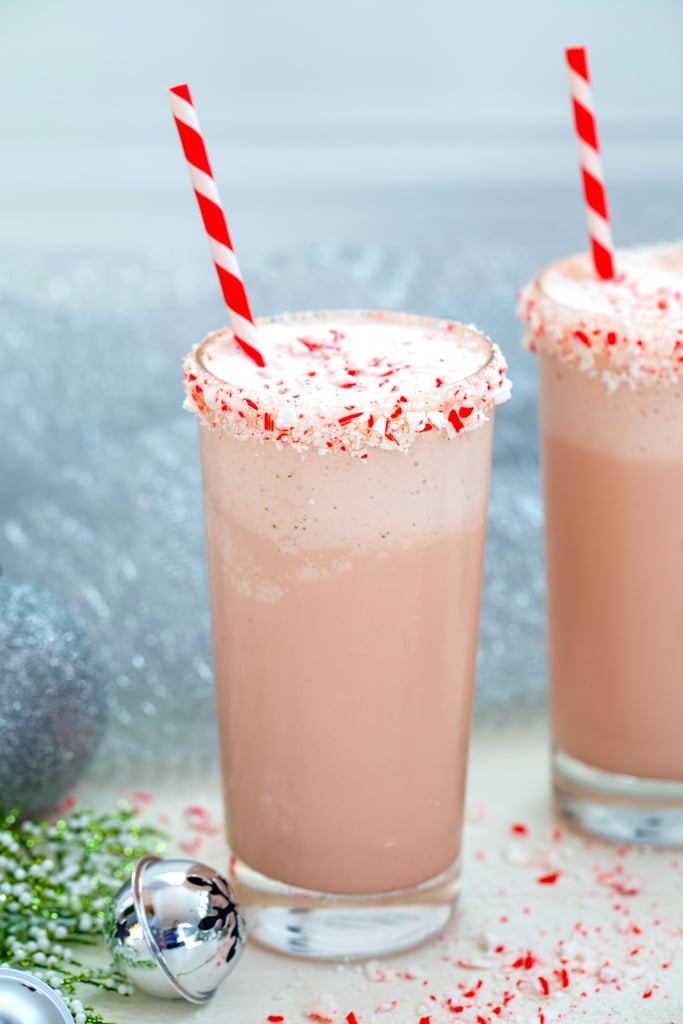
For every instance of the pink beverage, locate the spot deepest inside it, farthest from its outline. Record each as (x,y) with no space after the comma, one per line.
(611,413)
(345,491)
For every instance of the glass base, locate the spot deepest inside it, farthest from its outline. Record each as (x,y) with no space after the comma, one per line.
(328,926)
(623,808)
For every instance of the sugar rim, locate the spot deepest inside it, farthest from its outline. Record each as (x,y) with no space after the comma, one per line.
(385,421)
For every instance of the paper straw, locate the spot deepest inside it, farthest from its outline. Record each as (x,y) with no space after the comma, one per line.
(590,161)
(205,190)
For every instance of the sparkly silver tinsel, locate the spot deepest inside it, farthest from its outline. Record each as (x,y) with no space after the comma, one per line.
(53,700)
(100,497)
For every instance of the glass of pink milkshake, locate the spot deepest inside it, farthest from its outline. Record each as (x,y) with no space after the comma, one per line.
(611,415)
(345,491)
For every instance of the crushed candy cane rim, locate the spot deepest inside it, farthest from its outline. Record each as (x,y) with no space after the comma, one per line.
(643,347)
(375,421)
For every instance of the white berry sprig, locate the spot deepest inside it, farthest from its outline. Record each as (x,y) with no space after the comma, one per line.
(57,880)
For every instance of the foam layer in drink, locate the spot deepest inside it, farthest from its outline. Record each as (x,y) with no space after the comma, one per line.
(631,424)
(626,330)
(302,505)
(349,381)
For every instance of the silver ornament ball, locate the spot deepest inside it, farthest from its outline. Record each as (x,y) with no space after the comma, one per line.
(53,704)
(26,1000)
(175,930)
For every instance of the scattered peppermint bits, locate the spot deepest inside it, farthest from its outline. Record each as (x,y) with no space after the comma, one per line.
(325,1010)
(607,952)
(348,381)
(625,330)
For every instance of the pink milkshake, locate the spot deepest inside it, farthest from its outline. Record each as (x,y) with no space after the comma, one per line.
(611,413)
(345,496)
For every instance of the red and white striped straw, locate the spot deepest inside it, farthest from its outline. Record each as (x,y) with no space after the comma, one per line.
(599,229)
(205,190)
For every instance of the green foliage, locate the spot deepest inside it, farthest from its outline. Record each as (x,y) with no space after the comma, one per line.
(57,880)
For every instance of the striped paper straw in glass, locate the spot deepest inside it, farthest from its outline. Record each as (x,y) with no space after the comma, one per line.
(205,190)
(599,228)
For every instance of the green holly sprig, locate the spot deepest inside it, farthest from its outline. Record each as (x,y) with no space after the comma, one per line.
(57,880)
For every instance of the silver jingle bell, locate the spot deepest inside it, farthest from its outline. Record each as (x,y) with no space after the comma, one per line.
(26,1000)
(175,930)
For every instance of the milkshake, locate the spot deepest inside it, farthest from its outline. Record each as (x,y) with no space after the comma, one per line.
(345,491)
(611,415)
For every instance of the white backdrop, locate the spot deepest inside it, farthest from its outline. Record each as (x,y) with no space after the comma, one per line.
(316,111)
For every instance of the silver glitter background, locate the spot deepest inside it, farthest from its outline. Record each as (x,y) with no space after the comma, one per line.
(100,499)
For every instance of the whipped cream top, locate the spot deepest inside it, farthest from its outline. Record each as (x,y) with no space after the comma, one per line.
(626,330)
(348,381)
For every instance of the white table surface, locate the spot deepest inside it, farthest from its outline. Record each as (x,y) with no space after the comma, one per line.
(603,934)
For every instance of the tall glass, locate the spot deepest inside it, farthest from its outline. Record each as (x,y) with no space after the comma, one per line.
(611,416)
(345,579)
